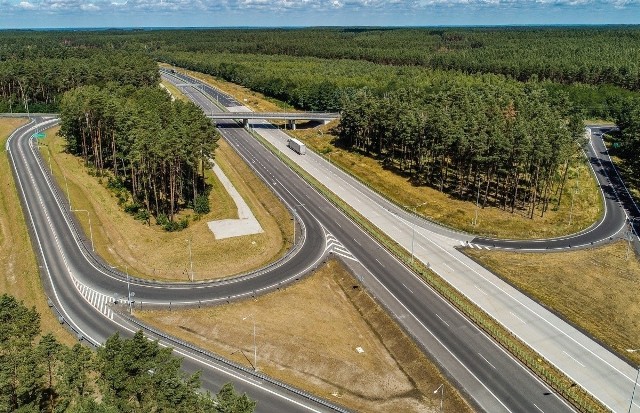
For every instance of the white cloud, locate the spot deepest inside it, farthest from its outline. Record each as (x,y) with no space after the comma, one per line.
(26,5)
(191,6)
(89,7)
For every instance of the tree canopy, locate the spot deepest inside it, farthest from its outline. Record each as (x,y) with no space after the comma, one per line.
(156,148)
(38,374)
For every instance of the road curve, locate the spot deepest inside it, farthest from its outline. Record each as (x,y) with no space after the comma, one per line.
(602,373)
(617,207)
(468,356)
(73,282)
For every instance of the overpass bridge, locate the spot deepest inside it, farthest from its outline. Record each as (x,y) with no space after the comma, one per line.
(290,117)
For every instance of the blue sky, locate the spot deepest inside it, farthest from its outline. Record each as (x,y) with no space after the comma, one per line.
(224,13)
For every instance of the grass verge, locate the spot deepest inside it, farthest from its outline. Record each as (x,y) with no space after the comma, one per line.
(18,264)
(595,289)
(151,252)
(581,191)
(317,350)
(565,387)
(579,200)
(582,201)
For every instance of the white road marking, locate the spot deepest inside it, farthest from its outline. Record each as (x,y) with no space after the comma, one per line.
(536,406)
(481,290)
(489,363)
(441,319)
(405,286)
(573,358)
(521,320)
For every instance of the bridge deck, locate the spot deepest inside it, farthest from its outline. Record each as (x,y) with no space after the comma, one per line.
(275,115)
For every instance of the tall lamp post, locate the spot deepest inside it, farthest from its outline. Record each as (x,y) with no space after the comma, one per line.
(255,348)
(635,383)
(90,227)
(475,219)
(413,227)
(631,232)
(295,216)
(126,270)
(190,258)
(441,390)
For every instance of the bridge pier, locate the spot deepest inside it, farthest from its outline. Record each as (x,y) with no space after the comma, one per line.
(291,124)
(245,123)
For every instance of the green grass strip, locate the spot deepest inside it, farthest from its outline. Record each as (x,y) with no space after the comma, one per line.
(547,372)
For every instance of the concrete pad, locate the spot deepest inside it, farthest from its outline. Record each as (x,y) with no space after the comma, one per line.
(246,224)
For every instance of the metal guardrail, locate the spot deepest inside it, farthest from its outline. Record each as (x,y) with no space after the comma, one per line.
(233,365)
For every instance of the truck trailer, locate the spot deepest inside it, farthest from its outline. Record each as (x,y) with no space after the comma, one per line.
(297,146)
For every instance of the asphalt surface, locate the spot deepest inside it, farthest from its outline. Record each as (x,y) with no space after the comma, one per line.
(74,283)
(586,362)
(494,380)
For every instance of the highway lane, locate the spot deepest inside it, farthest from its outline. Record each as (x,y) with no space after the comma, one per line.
(513,389)
(410,288)
(586,362)
(494,380)
(609,227)
(65,276)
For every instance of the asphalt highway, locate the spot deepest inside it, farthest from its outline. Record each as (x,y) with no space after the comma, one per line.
(586,362)
(74,283)
(493,379)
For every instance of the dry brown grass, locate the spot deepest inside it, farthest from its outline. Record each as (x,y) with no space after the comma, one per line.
(596,289)
(151,252)
(173,90)
(18,266)
(307,335)
(440,207)
(456,213)
(254,100)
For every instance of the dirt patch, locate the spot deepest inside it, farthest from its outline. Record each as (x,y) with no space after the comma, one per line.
(149,251)
(310,334)
(19,272)
(595,289)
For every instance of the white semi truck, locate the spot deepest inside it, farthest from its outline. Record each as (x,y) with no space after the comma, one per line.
(297,146)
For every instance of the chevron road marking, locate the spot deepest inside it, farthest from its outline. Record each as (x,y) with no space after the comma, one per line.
(334,246)
(470,245)
(96,299)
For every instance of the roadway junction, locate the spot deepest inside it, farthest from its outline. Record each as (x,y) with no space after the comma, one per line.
(82,288)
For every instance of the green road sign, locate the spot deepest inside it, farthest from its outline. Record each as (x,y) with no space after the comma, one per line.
(39,135)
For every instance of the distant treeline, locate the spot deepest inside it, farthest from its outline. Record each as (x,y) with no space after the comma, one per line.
(36,68)
(599,61)
(591,55)
(549,77)
(320,84)
(155,148)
